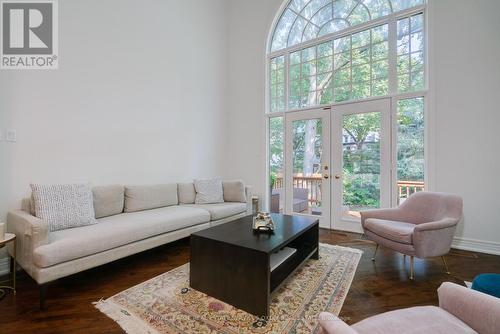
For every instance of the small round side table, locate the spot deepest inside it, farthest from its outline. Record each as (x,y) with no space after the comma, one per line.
(9,237)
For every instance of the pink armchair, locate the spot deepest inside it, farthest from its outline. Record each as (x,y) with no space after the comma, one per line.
(422,226)
(460,310)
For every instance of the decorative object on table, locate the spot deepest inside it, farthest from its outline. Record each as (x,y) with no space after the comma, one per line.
(4,240)
(487,283)
(166,304)
(263,222)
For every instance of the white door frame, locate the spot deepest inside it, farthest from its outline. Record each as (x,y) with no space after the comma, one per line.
(324,114)
(384,107)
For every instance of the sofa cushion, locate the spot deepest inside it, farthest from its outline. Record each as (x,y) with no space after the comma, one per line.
(222,210)
(420,319)
(393,230)
(116,231)
(139,198)
(208,191)
(186,193)
(234,191)
(64,206)
(300,205)
(108,200)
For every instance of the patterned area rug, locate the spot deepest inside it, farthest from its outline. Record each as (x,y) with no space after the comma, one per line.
(166,304)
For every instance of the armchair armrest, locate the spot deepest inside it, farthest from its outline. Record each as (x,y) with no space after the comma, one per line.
(437,225)
(479,311)
(249,193)
(331,324)
(31,233)
(434,238)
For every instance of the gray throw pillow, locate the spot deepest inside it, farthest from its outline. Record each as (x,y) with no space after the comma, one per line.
(108,200)
(208,191)
(234,191)
(64,206)
(186,193)
(139,198)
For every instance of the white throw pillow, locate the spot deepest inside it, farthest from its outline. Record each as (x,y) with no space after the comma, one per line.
(208,191)
(64,206)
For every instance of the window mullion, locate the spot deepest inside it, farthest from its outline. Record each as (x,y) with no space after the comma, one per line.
(393,41)
(287,81)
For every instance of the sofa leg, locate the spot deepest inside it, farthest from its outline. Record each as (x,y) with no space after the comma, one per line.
(12,265)
(374,254)
(411,268)
(445,265)
(43,295)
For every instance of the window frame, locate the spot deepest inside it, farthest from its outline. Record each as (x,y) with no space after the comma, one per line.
(391,20)
(393,94)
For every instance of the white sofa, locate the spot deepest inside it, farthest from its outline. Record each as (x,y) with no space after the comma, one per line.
(47,256)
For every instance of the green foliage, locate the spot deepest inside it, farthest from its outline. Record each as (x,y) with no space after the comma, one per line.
(361,160)
(276,136)
(361,190)
(300,129)
(411,140)
(272,179)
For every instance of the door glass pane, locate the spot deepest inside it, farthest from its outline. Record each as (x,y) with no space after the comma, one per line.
(410,139)
(361,163)
(276,159)
(307,150)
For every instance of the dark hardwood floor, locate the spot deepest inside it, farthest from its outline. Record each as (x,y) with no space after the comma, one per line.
(377,287)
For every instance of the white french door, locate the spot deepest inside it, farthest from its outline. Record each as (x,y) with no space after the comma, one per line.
(361,161)
(307,161)
(337,163)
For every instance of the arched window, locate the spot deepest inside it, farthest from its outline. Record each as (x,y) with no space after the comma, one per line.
(327,51)
(346,107)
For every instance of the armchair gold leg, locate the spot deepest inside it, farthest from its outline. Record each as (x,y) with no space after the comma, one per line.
(374,254)
(411,268)
(445,264)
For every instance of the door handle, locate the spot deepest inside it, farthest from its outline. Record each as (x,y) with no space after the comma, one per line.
(337,177)
(326,176)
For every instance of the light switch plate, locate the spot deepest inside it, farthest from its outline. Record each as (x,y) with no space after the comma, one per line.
(11,135)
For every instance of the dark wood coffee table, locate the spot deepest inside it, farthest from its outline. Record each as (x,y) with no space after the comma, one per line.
(232,263)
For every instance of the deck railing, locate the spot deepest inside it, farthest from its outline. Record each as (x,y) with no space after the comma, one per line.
(313,183)
(406,188)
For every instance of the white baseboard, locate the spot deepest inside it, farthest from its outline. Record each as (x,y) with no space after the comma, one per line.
(481,246)
(4,266)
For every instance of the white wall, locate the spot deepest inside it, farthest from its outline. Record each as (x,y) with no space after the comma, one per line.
(466,81)
(140,97)
(466,78)
(250,23)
